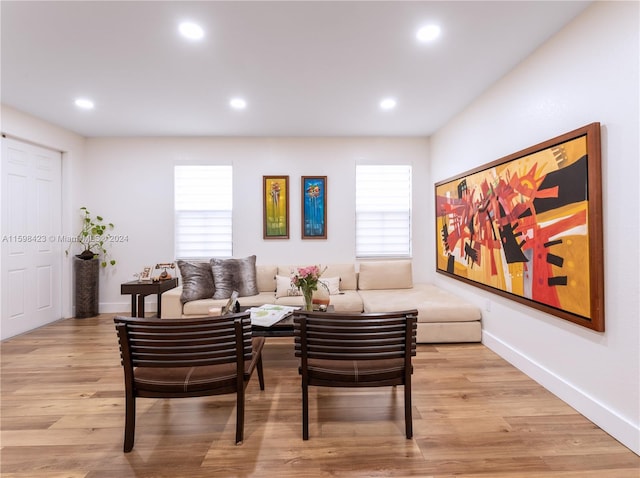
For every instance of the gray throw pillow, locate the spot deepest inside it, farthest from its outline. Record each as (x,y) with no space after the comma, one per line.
(197,281)
(234,274)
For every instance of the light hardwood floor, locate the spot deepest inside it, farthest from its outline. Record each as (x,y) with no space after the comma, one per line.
(474,416)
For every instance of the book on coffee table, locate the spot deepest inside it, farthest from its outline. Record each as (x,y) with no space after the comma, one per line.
(269,314)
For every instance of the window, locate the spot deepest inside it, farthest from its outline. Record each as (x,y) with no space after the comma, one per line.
(203,205)
(383,211)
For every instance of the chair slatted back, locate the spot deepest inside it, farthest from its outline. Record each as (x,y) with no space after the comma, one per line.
(184,342)
(346,336)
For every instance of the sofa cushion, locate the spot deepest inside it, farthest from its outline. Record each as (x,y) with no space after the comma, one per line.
(345,272)
(200,308)
(266,277)
(385,275)
(346,301)
(284,288)
(433,303)
(197,280)
(234,274)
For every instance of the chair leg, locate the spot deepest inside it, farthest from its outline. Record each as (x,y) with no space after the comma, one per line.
(129,422)
(305,412)
(260,373)
(408,419)
(240,416)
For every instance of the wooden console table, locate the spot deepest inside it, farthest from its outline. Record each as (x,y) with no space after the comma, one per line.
(139,290)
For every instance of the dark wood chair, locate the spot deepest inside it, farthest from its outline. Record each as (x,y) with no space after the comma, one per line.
(175,358)
(355,350)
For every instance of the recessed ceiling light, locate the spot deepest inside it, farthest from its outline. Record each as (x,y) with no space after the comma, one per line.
(238,103)
(388,104)
(84,103)
(428,33)
(191,31)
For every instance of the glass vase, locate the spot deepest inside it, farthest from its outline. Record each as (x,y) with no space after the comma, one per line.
(321,298)
(308,299)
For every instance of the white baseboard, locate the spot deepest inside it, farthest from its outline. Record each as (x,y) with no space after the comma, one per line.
(618,427)
(124,307)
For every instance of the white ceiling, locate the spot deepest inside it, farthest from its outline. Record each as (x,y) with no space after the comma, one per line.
(305,68)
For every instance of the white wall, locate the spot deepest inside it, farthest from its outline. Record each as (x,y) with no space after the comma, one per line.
(131,185)
(24,127)
(587,73)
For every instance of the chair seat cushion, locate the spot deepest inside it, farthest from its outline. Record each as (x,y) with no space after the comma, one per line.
(355,371)
(185,379)
(192,379)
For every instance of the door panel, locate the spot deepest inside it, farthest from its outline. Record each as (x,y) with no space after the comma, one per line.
(14,299)
(31,236)
(44,287)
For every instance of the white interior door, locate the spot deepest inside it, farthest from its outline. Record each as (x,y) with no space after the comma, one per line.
(31,243)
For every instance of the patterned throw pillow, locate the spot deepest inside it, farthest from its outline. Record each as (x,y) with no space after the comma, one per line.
(234,274)
(284,287)
(197,281)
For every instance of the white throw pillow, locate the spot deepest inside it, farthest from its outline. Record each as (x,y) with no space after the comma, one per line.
(284,288)
(332,284)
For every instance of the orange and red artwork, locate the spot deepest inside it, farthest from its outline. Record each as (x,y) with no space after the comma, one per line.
(529,227)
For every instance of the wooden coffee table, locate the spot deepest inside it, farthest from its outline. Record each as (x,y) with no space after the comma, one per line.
(284,328)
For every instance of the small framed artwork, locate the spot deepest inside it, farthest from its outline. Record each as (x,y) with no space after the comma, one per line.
(529,227)
(314,207)
(275,199)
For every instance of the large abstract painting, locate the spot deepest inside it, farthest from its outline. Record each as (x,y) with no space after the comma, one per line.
(275,201)
(529,227)
(314,207)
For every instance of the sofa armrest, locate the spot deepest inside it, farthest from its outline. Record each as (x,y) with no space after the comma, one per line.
(171,305)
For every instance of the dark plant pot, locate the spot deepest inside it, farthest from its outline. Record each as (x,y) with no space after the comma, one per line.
(86,255)
(87,282)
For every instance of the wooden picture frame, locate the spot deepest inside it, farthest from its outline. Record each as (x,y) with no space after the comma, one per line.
(275,207)
(314,207)
(145,275)
(529,227)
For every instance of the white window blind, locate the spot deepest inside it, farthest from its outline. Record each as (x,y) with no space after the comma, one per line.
(203,204)
(383,211)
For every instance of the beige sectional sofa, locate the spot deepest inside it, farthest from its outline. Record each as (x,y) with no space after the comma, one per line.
(378,286)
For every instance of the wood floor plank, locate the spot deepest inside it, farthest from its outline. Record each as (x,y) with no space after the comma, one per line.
(62,415)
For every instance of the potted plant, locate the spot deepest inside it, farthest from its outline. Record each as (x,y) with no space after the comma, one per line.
(93,238)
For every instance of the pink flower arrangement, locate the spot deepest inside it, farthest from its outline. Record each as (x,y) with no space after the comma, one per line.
(306,278)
